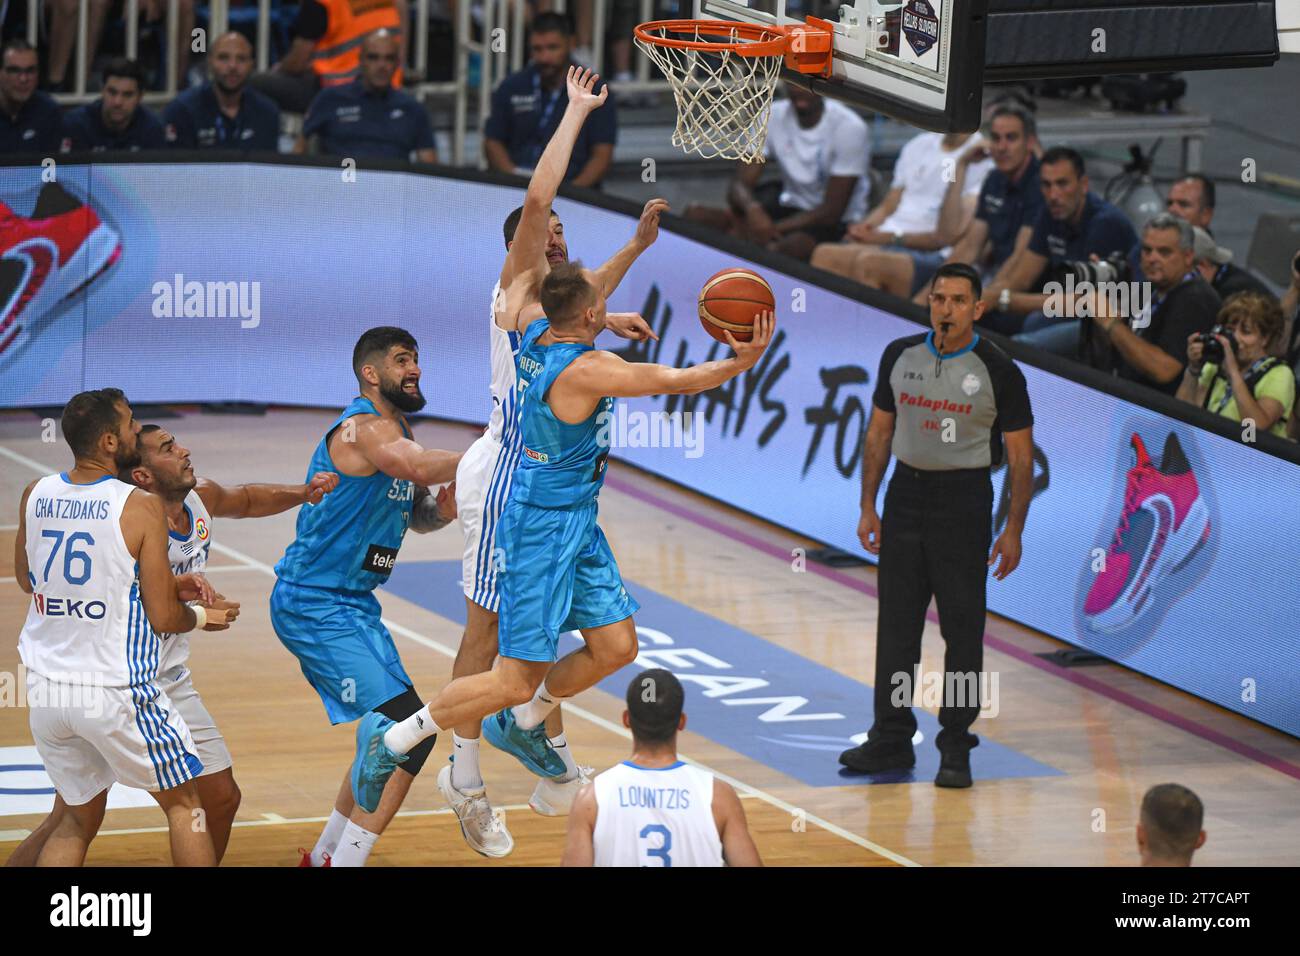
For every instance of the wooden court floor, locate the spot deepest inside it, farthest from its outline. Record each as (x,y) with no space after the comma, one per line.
(1111,732)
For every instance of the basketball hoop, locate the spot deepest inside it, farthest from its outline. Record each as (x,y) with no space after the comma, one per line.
(723,74)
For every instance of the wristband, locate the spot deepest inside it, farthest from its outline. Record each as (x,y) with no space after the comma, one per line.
(897,240)
(1004,299)
(200,616)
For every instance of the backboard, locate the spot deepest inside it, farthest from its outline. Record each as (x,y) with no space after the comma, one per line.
(920,61)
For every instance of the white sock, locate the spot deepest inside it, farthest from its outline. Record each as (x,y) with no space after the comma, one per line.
(531,714)
(329,838)
(465,774)
(560,745)
(354,846)
(405,734)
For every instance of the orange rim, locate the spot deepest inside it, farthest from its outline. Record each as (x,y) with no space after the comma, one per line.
(755,40)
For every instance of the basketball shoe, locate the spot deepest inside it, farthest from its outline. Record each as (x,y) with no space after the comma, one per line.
(47,258)
(1164,522)
(529,747)
(484,831)
(554,798)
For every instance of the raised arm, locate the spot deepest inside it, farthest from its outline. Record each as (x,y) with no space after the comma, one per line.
(527,253)
(261,500)
(609,275)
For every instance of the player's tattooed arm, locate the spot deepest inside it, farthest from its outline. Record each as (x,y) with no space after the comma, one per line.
(430,512)
(381,442)
(261,500)
(609,275)
(578,848)
(22,573)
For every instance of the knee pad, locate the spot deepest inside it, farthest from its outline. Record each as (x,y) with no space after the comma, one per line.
(399,708)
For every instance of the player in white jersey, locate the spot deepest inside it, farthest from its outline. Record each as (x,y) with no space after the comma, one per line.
(483,485)
(654,809)
(92,552)
(164,469)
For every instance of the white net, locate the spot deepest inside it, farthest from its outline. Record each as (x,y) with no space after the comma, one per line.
(723,99)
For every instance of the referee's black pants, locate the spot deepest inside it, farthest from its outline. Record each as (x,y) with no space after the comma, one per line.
(936,531)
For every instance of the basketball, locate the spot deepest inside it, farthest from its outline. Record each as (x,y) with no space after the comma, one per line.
(730,302)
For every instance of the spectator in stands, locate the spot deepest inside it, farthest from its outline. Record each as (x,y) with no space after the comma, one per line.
(30,121)
(1214,263)
(1252,382)
(1291,337)
(898,246)
(824,151)
(367,118)
(224,113)
(527,106)
(1074,224)
(1192,198)
(116,121)
(1150,344)
(63,36)
(326,48)
(1010,201)
(1169,828)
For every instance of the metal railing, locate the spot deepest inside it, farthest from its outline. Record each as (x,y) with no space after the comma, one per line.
(498,53)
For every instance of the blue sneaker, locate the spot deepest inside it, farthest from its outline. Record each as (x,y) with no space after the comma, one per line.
(374,762)
(529,747)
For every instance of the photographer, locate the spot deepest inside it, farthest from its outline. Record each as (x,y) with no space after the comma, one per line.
(1230,371)
(1149,345)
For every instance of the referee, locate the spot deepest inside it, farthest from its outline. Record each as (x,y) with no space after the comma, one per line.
(945,400)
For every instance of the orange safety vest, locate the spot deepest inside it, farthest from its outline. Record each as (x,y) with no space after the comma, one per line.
(337,57)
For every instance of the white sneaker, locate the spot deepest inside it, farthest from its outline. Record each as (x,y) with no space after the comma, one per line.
(554,798)
(483,830)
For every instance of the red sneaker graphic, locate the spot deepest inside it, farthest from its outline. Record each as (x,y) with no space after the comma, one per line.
(46,259)
(1165,522)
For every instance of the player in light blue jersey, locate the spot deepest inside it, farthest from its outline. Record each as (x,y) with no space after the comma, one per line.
(322,606)
(559,573)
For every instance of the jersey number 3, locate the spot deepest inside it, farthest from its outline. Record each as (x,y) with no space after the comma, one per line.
(665,846)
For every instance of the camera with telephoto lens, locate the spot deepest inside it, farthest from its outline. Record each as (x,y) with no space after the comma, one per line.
(1114,268)
(1211,348)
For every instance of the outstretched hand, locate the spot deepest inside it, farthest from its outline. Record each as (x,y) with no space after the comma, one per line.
(647,229)
(580,83)
(748,352)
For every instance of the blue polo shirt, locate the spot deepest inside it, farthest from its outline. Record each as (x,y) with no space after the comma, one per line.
(351,121)
(1103,229)
(525,117)
(1006,207)
(84,128)
(38,127)
(194,120)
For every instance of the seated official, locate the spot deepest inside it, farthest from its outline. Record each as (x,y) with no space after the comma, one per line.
(1074,225)
(1148,344)
(30,121)
(224,113)
(368,119)
(116,121)
(527,106)
(1250,382)
(824,151)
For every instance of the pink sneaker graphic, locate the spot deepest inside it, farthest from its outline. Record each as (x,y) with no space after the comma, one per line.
(1165,522)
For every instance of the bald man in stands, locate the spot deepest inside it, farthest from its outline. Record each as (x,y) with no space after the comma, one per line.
(1169,829)
(225,112)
